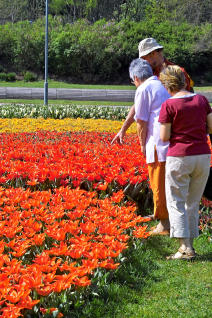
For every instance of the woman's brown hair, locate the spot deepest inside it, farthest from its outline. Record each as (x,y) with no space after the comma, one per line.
(173,78)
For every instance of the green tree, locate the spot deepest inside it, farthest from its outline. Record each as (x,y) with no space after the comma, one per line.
(72,9)
(178,11)
(132,10)
(35,9)
(20,10)
(94,10)
(12,10)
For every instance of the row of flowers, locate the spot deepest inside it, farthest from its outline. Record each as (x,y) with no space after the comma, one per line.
(12,125)
(57,158)
(63,111)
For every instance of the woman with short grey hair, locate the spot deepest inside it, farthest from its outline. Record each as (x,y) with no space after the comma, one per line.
(141,69)
(149,96)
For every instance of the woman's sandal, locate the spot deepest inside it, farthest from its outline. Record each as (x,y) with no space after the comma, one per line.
(182,254)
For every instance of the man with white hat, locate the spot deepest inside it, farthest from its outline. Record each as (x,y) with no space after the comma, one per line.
(152,52)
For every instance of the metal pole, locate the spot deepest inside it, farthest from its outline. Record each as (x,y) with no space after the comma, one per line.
(46,58)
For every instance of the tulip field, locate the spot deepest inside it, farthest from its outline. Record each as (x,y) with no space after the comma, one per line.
(64,216)
(67,209)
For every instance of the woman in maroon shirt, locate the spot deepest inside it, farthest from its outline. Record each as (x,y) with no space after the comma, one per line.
(185,120)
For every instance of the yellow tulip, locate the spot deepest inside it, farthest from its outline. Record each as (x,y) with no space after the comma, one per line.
(14,125)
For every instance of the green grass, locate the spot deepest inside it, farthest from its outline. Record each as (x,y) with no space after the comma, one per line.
(148,286)
(203,88)
(57,84)
(60,84)
(64,102)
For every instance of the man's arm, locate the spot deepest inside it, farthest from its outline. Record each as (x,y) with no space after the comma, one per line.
(142,132)
(128,122)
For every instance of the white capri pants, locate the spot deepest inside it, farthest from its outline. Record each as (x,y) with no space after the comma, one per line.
(186,178)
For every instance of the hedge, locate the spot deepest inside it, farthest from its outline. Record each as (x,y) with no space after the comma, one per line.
(101,52)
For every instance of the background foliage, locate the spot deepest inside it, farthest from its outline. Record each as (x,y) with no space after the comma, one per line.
(94,41)
(193,11)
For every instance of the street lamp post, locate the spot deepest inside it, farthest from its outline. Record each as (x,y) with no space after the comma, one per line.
(46,58)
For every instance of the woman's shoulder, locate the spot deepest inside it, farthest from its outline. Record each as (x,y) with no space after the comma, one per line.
(201,97)
(202,101)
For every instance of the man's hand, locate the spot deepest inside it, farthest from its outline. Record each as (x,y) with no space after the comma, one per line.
(119,137)
(128,122)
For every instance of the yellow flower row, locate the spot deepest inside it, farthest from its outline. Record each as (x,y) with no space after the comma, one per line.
(67,124)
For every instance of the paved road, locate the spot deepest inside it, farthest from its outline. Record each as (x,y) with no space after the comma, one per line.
(73,94)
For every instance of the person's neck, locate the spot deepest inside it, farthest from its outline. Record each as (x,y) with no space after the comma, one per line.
(139,82)
(182,92)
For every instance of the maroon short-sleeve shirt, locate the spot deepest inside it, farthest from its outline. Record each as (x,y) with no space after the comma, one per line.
(188,117)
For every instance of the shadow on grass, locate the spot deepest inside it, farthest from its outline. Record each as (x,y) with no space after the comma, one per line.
(204,258)
(126,284)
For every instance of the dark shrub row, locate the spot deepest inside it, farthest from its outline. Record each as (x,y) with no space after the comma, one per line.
(101,52)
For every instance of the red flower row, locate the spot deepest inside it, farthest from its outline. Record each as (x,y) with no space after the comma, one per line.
(69,158)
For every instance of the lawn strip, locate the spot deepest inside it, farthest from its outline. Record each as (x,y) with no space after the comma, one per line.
(60,84)
(63,102)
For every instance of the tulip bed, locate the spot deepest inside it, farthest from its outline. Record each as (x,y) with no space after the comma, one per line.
(9,125)
(51,159)
(52,242)
(65,213)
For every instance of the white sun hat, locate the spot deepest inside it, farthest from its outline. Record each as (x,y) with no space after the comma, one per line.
(148,45)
